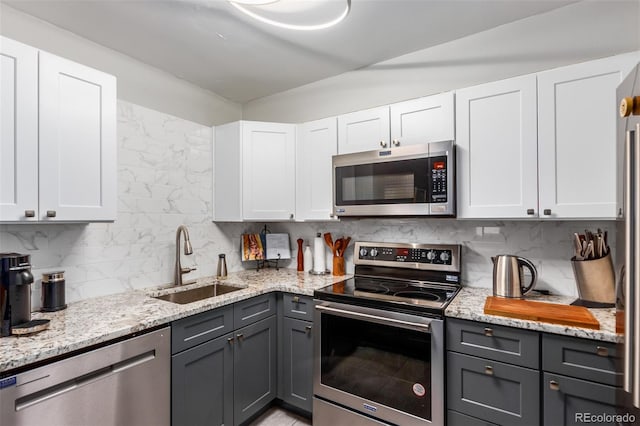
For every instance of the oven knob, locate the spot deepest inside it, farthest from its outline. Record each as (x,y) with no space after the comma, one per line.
(374,252)
(363,252)
(444,256)
(431,255)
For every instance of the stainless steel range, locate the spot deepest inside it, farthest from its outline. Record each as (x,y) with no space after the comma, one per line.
(379,352)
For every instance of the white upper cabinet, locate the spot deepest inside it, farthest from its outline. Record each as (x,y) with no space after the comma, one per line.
(316,143)
(496,149)
(577,138)
(268,171)
(18,131)
(363,130)
(77,142)
(58,146)
(423,120)
(254,171)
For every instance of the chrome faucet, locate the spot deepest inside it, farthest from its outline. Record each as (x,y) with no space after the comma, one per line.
(179,270)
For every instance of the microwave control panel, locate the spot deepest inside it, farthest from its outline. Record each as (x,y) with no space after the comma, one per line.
(438,182)
(404,254)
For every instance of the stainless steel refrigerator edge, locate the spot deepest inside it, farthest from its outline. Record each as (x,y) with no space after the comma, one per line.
(628,239)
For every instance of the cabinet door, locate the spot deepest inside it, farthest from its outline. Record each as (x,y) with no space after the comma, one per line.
(577,138)
(268,171)
(227,173)
(567,401)
(363,130)
(202,384)
(298,363)
(493,391)
(423,120)
(496,142)
(77,142)
(316,142)
(18,131)
(255,368)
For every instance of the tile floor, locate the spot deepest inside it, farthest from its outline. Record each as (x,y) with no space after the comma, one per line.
(276,416)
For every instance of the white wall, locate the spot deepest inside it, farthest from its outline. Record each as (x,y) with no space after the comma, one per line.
(575,33)
(138,82)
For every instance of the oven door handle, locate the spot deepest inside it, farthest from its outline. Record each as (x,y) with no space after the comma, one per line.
(376,318)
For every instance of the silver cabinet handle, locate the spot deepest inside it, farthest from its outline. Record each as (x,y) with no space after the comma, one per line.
(488,370)
(396,142)
(295,299)
(553,385)
(230,340)
(602,351)
(383,144)
(29,213)
(240,336)
(488,332)
(531,212)
(308,328)
(546,212)
(51,213)
(628,367)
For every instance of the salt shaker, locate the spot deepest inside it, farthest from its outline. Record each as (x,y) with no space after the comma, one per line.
(222,267)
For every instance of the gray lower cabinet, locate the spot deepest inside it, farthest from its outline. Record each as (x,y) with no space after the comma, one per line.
(223,364)
(202,384)
(568,401)
(297,362)
(254,368)
(493,391)
(295,346)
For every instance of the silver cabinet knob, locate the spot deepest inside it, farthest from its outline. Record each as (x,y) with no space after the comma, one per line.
(308,328)
(488,370)
(488,332)
(51,213)
(395,142)
(553,385)
(531,212)
(602,351)
(383,144)
(240,336)
(295,299)
(29,213)
(230,340)
(291,216)
(547,212)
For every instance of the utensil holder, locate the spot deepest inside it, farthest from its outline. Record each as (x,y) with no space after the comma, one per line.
(595,279)
(338,265)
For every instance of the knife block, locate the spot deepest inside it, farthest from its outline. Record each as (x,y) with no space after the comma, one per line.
(595,279)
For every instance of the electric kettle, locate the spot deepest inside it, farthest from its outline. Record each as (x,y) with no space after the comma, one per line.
(508,276)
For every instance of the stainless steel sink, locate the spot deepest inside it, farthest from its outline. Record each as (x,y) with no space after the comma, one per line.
(195,294)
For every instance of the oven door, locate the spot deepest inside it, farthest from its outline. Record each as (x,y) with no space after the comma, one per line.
(396,182)
(385,364)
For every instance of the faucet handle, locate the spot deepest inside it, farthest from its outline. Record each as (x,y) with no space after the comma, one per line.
(187,270)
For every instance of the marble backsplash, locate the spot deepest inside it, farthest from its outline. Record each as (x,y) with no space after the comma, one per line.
(165,179)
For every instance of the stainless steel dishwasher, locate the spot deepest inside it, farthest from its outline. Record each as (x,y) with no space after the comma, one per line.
(126,383)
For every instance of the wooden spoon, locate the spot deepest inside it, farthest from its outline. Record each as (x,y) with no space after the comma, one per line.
(338,246)
(345,244)
(329,241)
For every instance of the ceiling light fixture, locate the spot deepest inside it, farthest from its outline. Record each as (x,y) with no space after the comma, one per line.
(240,5)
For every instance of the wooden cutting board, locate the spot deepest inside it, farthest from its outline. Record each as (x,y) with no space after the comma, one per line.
(575,316)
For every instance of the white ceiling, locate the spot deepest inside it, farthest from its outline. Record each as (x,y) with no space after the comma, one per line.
(214,46)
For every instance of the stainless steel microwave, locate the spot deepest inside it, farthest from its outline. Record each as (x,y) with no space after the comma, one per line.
(416,180)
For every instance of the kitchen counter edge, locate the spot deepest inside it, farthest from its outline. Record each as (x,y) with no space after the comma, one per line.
(469,305)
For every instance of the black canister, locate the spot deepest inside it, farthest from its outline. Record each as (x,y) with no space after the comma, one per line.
(53,291)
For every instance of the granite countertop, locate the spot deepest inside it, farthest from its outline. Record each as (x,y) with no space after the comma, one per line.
(469,305)
(98,320)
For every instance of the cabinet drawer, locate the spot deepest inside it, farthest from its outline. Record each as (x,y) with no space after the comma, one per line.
(492,391)
(254,309)
(581,358)
(296,306)
(506,344)
(458,419)
(567,401)
(191,331)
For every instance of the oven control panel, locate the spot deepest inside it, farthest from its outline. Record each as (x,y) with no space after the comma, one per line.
(394,254)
